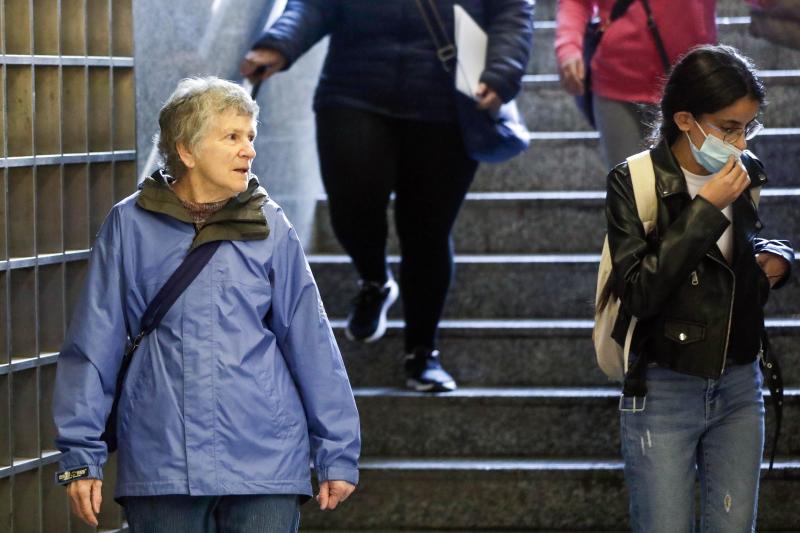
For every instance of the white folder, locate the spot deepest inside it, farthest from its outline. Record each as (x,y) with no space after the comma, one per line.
(471,44)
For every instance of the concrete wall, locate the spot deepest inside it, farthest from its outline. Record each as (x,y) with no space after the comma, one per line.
(209,37)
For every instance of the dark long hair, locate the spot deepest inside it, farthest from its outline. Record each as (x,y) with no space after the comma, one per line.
(706,79)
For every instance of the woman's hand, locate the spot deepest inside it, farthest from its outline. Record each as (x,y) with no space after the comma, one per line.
(773,265)
(85,499)
(332,493)
(488,99)
(726,185)
(572,74)
(258,65)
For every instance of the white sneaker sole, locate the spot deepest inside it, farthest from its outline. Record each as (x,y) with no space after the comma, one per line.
(394,292)
(419,386)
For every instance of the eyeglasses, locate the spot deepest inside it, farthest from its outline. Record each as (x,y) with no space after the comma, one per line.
(732,135)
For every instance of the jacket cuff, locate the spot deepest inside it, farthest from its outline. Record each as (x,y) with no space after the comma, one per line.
(66,476)
(268,42)
(500,85)
(568,52)
(338,473)
(781,251)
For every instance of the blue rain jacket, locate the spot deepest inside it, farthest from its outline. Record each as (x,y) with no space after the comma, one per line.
(238,390)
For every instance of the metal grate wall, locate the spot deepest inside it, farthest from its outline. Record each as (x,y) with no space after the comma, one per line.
(67,154)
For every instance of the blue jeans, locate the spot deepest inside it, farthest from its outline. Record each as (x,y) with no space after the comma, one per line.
(274,513)
(695,426)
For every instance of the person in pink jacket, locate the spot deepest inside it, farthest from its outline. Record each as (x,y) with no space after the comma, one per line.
(627,71)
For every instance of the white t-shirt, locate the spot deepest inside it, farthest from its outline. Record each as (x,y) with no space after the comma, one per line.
(694,182)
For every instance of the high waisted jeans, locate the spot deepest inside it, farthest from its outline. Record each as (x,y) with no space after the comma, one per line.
(274,513)
(712,428)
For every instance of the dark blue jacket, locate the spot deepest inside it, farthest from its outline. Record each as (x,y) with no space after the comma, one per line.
(381,56)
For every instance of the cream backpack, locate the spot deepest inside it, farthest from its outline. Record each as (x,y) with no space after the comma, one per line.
(613,358)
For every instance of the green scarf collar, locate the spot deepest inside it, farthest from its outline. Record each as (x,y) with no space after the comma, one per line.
(241,219)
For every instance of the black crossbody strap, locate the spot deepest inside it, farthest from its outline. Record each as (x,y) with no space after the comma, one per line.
(619,8)
(773,378)
(176,284)
(183,276)
(445,49)
(651,24)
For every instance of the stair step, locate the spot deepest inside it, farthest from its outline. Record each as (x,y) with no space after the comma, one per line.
(571,161)
(556,423)
(506,495)
(546,106)
(549,222)
(731,31)
(491,287)
(518,353)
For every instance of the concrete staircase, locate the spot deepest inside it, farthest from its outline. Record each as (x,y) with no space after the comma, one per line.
(530,441)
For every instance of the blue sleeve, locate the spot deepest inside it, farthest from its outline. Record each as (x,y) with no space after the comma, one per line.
(510,30)
(87,367)
(302,24)
(299,322)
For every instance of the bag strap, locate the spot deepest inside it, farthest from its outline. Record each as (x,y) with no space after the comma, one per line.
(188,270)
(643,178)
(773,378)
(619,9)
(183,276)
(445,49)
(651,24)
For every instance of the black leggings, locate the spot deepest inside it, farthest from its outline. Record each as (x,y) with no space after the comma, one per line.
(364,156)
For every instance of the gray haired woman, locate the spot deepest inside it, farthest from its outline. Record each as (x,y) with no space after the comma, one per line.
(242,384)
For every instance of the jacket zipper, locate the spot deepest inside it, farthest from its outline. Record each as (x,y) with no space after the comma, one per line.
(695,280)
(730,313)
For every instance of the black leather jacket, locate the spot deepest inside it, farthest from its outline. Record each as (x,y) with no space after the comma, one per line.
(696,311)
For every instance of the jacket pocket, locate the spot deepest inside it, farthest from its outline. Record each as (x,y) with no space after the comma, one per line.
(684,332)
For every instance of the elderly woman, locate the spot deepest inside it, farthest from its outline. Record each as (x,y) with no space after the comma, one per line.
(241,385)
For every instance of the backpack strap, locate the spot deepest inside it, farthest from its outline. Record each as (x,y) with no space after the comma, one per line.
(651,25)
(643,178)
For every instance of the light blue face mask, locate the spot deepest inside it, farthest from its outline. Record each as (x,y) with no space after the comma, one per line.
(714,152)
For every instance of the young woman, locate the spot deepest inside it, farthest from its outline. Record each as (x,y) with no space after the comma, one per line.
(698,284)
(386,123)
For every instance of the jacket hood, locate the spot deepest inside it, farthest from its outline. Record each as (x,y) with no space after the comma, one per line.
(241,219)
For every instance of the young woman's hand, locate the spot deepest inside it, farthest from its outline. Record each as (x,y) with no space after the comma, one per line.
(260,64)
(726,185)
(488,99)
(572,74)
(773,265)
(85,499)
(332,493)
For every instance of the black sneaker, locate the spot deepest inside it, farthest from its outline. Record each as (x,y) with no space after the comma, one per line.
(367,320)
(424,372)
